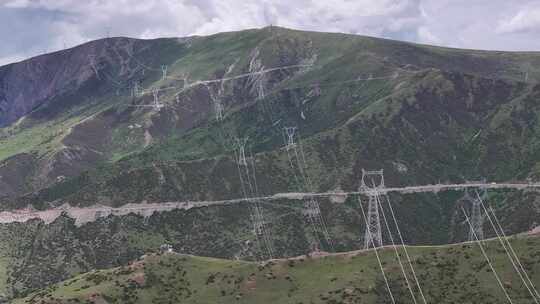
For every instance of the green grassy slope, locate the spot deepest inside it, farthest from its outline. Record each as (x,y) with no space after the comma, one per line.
(454,93)
(447,115)
(35,255)
(462,131)
(447,274)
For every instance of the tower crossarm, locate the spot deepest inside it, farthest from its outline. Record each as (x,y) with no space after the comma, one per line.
(290,133)
(372,179)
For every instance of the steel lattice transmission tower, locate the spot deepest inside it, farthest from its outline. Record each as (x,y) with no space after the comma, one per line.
(289,140)
(241,150)
(372,182)
(136,90)
(94,65)
(157,104)
(163,72)
(476,217)
(477,221)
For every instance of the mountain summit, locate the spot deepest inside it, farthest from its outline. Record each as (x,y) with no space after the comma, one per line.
(121,124)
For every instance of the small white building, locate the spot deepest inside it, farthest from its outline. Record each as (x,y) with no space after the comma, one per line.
(166,248)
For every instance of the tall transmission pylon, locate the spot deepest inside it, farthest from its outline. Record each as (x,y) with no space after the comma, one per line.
(373,234)
(218,107)
(260,87)
(157,105)
(372,183)
(216,101)
(93,64)
(163,72)
(369,185)
(186,81)
(477,221)
(476,229)
(290,133)
(136,91)
(241,151)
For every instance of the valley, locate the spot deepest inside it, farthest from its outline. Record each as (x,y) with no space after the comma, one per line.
(264,158)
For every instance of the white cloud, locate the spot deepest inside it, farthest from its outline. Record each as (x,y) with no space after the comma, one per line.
(526,20)
(49,24)
(17,3)
(76,21)
(426,36)
(183,17)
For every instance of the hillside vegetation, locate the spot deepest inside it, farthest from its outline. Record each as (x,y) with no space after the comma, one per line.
(424,114)
(75,132)
(447,274)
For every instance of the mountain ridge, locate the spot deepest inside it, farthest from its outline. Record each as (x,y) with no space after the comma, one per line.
(423,114)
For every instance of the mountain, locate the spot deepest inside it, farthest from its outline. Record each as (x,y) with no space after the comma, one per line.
(455,114)
(121,122)
(448,274)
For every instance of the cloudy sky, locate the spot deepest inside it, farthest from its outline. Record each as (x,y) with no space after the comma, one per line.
(30,27)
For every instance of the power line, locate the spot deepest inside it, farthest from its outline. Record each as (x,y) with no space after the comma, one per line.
(251,213)
(93,65)
(319,219)
(261,95)
(507,251)
(405,249)
(373,234)
(477,220)
(514,253)
(377,198)
(268,232)
(486,256)
(290,144)
(376,253)
(373,227)
(312,207)
(257,213)
(164,72)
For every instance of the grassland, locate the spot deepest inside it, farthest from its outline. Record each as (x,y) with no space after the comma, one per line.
(447,274)
(450,115)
